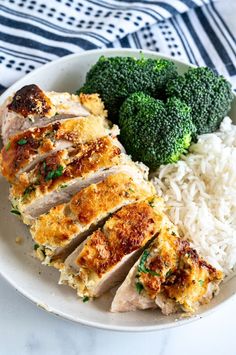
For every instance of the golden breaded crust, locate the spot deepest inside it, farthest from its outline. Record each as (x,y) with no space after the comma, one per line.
(23,147)
(174,269)
(101,197)
(31,100)
(59,225)
(59,168)
(54,228)
(93,103)
(126,231)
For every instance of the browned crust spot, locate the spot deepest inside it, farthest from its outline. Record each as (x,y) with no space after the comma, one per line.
(92,203)
(30,100)
(55,231)
(126,231)
(96,198)
(88,157)
(182,274)
(22,147)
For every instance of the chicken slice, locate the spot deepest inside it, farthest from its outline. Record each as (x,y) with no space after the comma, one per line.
(24,150)
(169,275)
(32,107)
(65,226)
(105,257)
(60,175)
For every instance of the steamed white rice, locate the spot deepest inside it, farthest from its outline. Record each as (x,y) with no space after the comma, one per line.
(200,192)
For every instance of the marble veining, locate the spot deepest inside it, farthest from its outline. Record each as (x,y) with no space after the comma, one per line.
(28,330)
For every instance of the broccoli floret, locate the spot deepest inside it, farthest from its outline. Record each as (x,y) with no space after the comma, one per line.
(155,132)
(115,78)
(208,94)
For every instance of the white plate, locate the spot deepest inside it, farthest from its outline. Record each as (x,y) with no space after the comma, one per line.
(39,283)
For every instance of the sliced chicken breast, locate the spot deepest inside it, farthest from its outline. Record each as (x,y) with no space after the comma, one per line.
(105,257)
(59,176)
(32,107)
(24,150)
(65,226)
(169,275)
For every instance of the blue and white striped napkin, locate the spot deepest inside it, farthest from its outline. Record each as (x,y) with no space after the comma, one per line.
(34,32)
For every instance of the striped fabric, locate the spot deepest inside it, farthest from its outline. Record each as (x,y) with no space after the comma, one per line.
(34,32)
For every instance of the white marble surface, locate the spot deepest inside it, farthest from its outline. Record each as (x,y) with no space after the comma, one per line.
(28,330)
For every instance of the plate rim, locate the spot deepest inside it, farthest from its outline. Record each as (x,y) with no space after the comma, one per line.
(84,54)
(56,312)
(118,328)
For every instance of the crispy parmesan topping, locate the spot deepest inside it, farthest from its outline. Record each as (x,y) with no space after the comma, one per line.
(125,232)
(63,166)
(88,206)
(30,100)
(24,147)
(176,271)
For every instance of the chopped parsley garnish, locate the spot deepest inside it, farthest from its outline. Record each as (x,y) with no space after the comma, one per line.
(151,203)
(50,134)
(153,273)
(22,141)
(36,246)
(85,299)
(131,190)
(62,186)
(44,253)
(28,191)
(53,174)
(139,287)
(15,212)
(201,282)
(169,272)
(142,267)
(173,233)
(8,146)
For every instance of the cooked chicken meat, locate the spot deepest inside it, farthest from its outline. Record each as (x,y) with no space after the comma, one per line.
(65,226)
(170,275)
(60,175)
(92,211)
(105,257)
(24,150)
(30,106)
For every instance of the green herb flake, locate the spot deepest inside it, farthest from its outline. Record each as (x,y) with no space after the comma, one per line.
(151,203)
(142,267)
(28,191)
(8,146)
(53,174)
(44,253)
(173,233)
(22,141)
(153,273)
(63,186)
(201,282)
(15,212)
(169,272)
(131,190)
(139,287)
(85,299)
(36,246)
